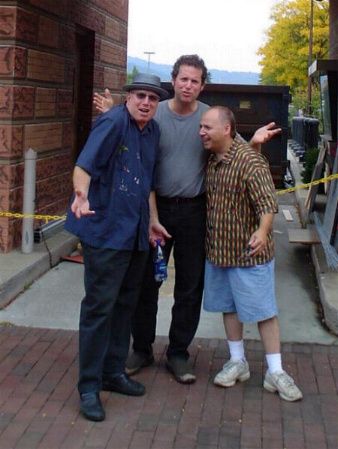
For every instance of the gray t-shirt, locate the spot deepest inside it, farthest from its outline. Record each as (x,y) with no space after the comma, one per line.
(181,159)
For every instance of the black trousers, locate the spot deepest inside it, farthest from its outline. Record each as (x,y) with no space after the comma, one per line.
(112,284)
(185,221)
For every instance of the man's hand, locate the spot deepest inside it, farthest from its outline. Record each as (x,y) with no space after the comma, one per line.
(259,239)
(157,232)
(80,206)
(258,242)
(264,134)
(104,102)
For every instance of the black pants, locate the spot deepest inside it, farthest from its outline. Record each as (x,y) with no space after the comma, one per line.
(185,221)
(112,283)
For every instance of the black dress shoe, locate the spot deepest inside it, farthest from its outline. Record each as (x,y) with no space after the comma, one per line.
(91,407)
(121,383)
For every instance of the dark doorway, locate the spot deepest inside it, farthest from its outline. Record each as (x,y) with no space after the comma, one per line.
(83,87)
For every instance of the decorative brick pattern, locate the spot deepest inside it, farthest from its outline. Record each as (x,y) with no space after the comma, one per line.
(11,200)
(16,102)
(43,136)
(11,139)
(23,102)
(20,62)
(12,62)
(7,22)
(11,176)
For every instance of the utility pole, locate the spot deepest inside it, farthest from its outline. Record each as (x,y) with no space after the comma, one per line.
(149,53)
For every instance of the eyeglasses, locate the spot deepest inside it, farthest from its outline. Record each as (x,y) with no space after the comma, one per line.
(143,96)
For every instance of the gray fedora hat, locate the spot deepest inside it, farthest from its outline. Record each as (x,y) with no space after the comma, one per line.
(147,82)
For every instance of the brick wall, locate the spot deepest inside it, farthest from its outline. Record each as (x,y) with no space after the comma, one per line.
(39,60)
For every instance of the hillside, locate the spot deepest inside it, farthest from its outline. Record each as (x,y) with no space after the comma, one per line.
(217,76)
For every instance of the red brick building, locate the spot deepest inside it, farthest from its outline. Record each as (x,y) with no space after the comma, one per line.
(53,55)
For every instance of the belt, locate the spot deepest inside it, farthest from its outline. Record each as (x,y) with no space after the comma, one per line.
(180,199)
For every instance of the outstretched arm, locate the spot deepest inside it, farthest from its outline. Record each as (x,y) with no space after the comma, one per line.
(103,102)
(263,135)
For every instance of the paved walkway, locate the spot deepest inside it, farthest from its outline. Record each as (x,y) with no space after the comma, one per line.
(39,401)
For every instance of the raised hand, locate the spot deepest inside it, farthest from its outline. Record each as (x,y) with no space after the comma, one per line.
(103,102)
(264,134)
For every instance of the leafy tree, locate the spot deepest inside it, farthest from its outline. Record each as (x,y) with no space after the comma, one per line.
(284,56)
(130,75)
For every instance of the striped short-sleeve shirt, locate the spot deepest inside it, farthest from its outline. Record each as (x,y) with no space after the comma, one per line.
(239,191)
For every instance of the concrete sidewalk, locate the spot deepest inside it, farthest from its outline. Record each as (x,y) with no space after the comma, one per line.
(53,300)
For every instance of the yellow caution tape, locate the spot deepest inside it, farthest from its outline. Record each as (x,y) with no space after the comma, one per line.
(48,218)
(304,186)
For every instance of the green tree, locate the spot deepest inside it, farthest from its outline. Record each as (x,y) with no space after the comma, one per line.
(284,56)
(131,75)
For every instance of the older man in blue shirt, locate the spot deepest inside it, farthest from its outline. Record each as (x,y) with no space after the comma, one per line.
(110,214)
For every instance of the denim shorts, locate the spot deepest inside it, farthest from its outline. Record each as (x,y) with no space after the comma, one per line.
(249,291)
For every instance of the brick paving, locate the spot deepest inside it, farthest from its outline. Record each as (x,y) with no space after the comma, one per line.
(39,400)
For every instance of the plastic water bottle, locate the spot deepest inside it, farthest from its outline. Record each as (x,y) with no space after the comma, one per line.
(160,266)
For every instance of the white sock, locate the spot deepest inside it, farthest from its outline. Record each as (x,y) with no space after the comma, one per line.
(274,362)
(236,349)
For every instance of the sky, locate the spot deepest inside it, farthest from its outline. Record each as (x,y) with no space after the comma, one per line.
(225,33)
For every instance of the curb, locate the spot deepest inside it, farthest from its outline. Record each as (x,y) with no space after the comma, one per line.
(26,268)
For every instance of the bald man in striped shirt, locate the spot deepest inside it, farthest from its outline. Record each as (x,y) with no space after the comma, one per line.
(239,271)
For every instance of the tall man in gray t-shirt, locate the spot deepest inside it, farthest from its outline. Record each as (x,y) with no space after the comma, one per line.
(181,210)
(180,200)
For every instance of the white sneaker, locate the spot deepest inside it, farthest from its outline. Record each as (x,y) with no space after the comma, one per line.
(231,372)
(284,384)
